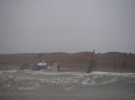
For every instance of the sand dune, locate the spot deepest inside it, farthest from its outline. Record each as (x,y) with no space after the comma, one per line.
(111,61)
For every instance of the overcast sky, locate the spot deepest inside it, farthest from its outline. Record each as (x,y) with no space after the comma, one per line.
(28,26)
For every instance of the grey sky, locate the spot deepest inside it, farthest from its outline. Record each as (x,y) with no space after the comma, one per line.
(67,25)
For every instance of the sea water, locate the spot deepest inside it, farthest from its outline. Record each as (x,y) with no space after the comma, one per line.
(39,85)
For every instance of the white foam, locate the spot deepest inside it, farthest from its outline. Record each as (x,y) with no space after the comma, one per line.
(55,73)
(10,71)
(26,88)
(36,79)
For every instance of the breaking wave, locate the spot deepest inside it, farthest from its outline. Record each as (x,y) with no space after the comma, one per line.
(37,79)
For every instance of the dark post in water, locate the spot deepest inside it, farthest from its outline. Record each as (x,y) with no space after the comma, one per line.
(92,61)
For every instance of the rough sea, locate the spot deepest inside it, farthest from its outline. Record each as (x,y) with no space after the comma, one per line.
(39,85)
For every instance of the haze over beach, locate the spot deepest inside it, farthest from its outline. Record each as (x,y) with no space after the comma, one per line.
(35,26)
